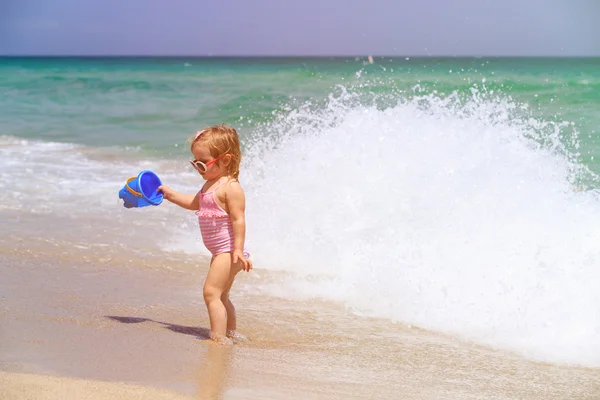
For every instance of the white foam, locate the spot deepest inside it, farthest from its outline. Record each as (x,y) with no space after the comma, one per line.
(66,180)
(456,215)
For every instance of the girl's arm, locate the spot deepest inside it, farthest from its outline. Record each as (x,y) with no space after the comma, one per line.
(187,201)
(236,205)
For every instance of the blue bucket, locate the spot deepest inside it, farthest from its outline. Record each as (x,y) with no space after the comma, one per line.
(142,190)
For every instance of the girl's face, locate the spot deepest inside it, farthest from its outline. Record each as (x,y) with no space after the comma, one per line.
(213,168)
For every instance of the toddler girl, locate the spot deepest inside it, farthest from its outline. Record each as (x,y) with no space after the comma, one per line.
(220,207)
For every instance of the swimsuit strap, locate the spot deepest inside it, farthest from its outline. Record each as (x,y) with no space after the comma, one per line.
(215,188)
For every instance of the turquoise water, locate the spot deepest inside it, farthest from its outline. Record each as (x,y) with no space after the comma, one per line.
(455,194)
(153,102)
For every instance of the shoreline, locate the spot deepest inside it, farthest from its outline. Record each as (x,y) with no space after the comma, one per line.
(79,317)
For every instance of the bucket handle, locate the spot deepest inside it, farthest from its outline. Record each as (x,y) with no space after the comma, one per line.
(130,190)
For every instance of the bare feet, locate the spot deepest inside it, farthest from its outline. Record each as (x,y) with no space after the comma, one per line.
(236,336)
(220,339)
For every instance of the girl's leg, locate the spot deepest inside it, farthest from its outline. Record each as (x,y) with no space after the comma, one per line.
(218,282)
(232,332)
(231,318)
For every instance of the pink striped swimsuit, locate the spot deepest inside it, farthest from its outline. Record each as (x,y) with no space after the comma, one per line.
(215,225)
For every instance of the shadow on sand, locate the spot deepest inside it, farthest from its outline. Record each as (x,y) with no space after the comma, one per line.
(198,332)
(214,376)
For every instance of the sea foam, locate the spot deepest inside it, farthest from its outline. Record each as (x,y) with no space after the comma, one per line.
(462,215)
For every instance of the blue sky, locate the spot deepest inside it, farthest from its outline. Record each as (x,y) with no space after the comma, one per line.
(308,27)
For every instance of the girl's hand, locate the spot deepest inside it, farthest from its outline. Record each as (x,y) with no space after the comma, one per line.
(239,256)
(187,201)
(166,191)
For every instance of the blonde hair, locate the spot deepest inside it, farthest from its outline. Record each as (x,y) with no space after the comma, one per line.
(221,139)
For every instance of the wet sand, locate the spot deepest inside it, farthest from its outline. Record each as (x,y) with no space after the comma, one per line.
(40,387)
(104,323)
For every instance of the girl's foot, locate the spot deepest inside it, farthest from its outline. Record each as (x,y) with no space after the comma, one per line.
(236,336)
(220,339)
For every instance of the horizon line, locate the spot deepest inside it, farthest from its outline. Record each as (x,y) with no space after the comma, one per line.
(40,55)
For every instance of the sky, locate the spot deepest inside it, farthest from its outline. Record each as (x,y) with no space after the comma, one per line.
(302,28)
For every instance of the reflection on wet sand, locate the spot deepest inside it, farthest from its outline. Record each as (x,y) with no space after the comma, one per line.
(214,373)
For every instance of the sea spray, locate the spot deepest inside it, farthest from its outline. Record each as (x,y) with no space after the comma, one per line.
(456,214)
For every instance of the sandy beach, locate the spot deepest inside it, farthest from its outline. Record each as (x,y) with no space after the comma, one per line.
(87,322)
(27,386)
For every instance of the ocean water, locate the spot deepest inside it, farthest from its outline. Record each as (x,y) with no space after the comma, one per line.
(458,195)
